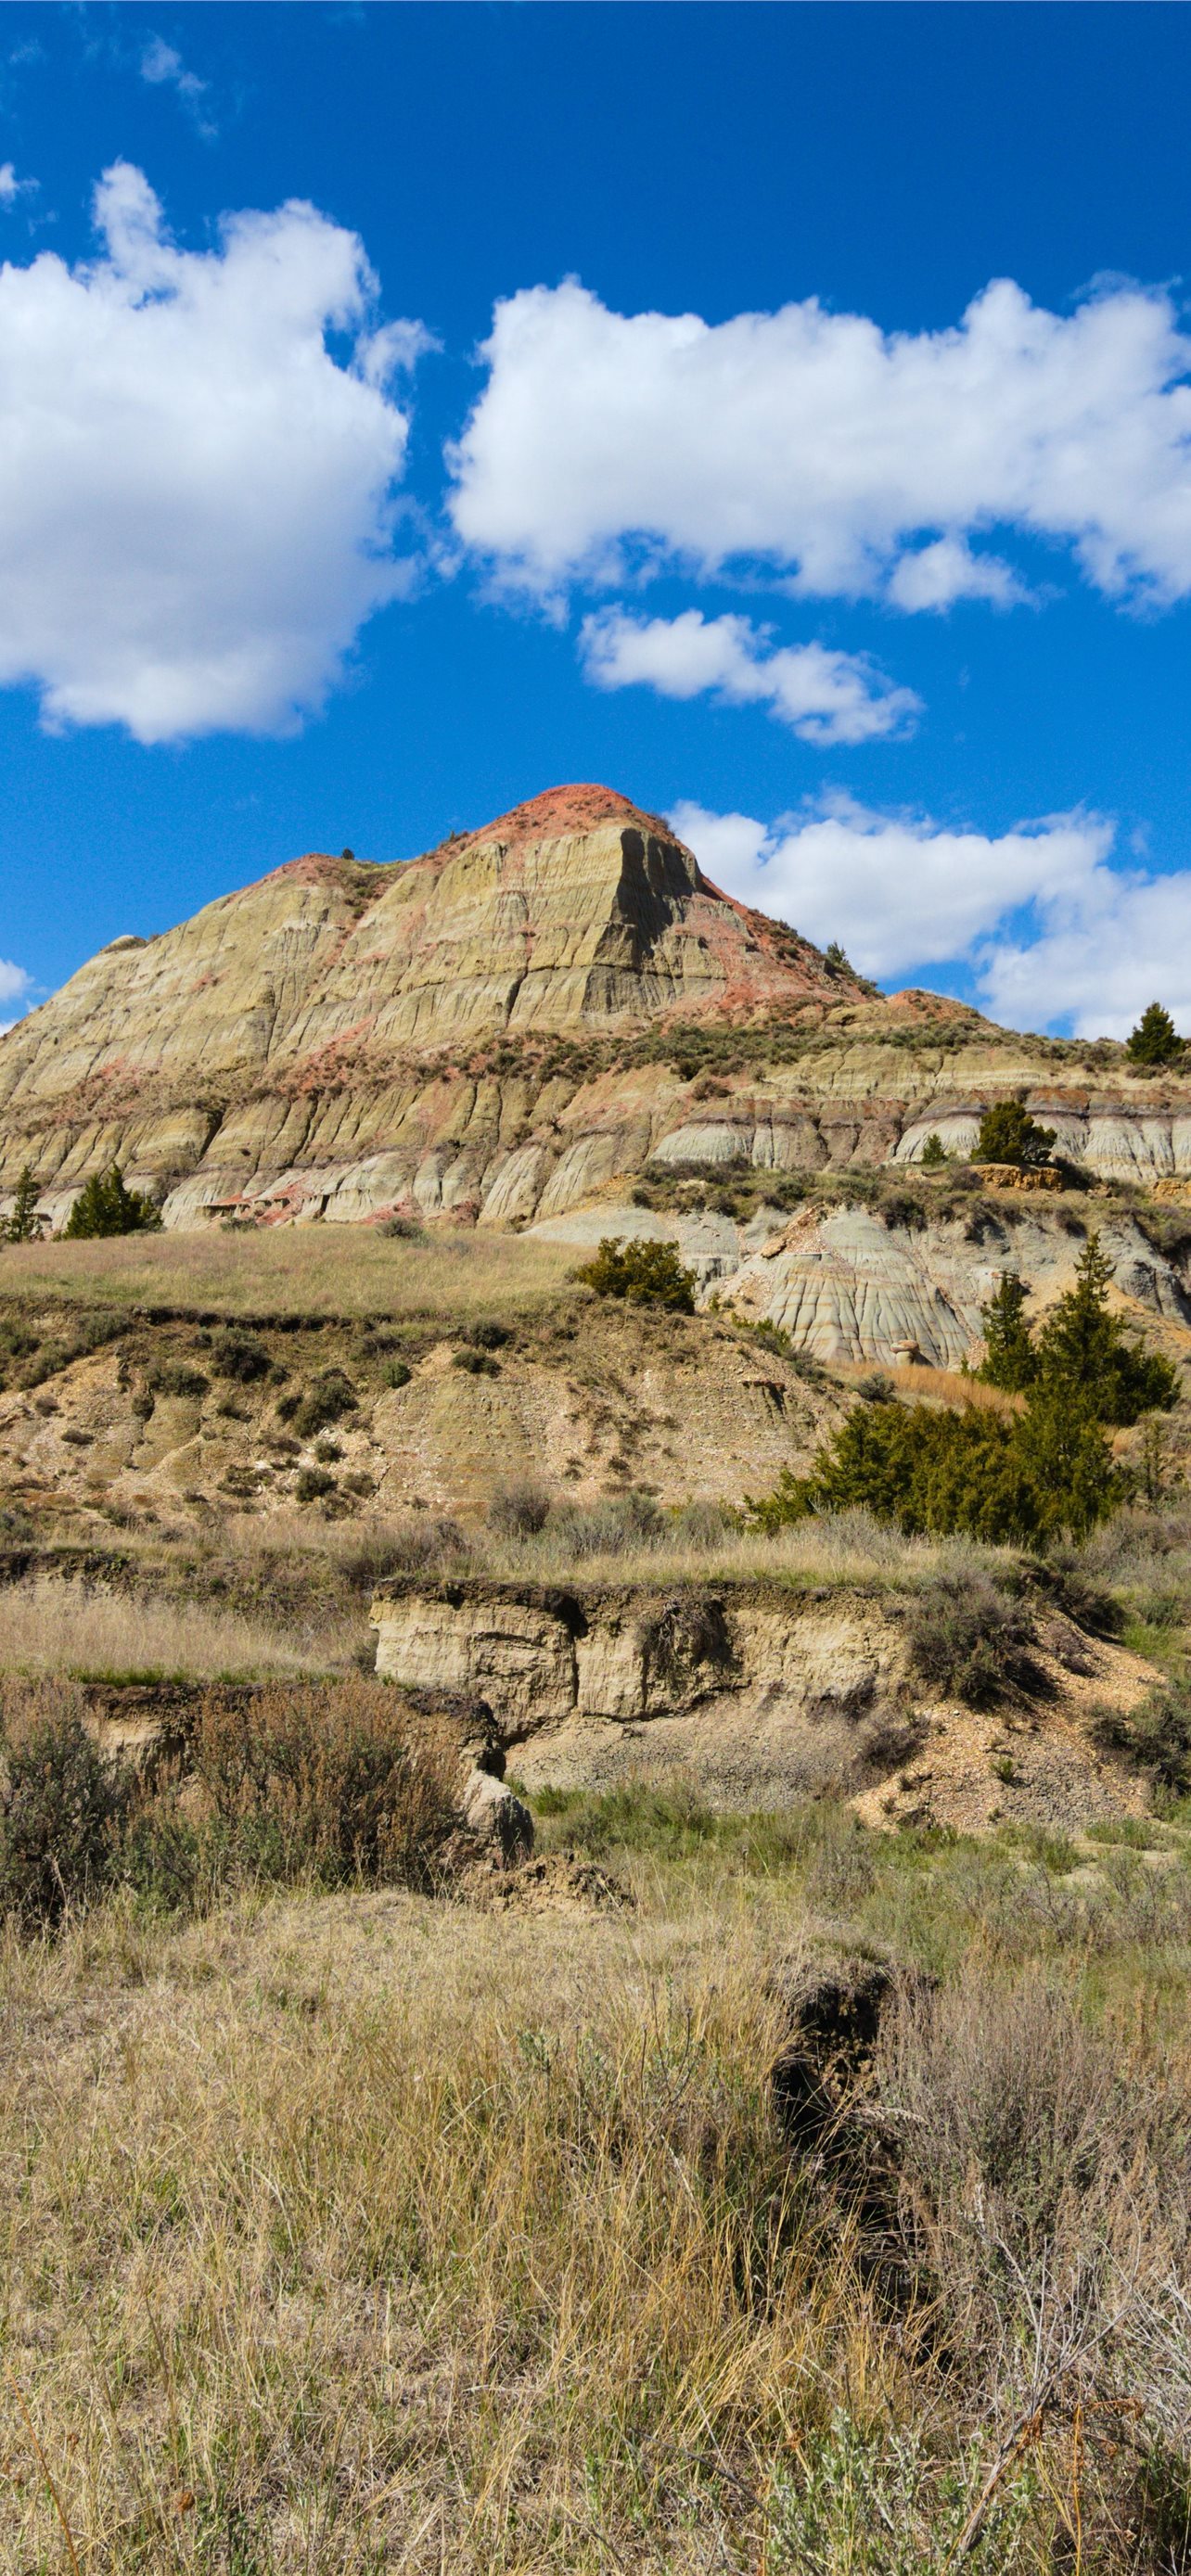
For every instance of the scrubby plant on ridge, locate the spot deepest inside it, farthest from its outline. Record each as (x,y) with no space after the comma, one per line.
(643,1274)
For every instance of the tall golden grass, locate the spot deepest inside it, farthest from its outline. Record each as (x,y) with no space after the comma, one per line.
(316,1269)
(55,1624)
(363,2233)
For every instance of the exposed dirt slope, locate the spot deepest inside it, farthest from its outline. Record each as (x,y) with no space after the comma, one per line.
(755,1693)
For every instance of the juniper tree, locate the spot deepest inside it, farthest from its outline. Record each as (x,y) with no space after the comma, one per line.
(1010,1359)
(106,1206)
(24,1225)
(1008,1134)
(1155,1040)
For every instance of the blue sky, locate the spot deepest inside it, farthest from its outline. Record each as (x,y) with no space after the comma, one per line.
(781,413)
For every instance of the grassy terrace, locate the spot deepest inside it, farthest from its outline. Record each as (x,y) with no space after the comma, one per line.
(332,1270)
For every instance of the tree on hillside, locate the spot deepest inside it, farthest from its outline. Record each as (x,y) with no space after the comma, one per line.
(24,1225)
(1010,1359)
(1083,1350)
(1008,1134)
(644,1274)
(105,1206)
(933,1155)
(1155,1040)
(835,959)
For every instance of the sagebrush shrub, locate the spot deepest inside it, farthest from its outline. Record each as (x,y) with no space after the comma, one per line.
(61,1808)
(968,1640)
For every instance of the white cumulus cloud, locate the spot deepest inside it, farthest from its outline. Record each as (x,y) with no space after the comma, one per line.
(196,495)
(1052,931)
(851,460)
(828,697)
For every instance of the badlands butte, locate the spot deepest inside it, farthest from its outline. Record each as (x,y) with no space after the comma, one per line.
(386,1112)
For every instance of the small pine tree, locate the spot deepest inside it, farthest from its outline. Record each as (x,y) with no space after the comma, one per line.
(1083,1351)
(1010,1359)
(105,1206)
(1155,1040)
(1009,1135)
(835,959)
(24,1225)
(933,1156)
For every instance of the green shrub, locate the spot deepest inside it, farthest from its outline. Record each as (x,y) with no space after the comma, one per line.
(329,1396)
(1030,1479)
(1156,1735)
(967,1640)
(474,1363)
(644,1274)
(1009,1135)
(104,1206)
(487,1337)
(61,1807)
(312,1482)
(177,1377)
(239,1357)
(396,1373)
(933,1155)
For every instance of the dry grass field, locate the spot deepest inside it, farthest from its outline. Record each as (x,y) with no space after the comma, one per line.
(378,2232)
(331,1270)
(58,1624)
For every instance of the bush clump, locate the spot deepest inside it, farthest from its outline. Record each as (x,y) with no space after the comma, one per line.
(61,1809)
(644,1274)
(968,1640)
(327,1399)
(309,1783)
(519,1509)
(239,1357)
(177,1377)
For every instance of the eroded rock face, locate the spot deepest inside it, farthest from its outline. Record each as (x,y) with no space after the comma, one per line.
(340,1040)
(756,1693)
(623,1654)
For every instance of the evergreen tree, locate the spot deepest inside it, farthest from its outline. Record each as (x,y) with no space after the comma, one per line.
(835,959)
(1009,1135)
(1083,1351)
(1155,1040)
(24,1225)
(933,1157)
(105,1206)
(1010,1359)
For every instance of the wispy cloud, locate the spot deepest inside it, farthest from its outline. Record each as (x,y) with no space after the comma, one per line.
(12,188)
(162,66)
